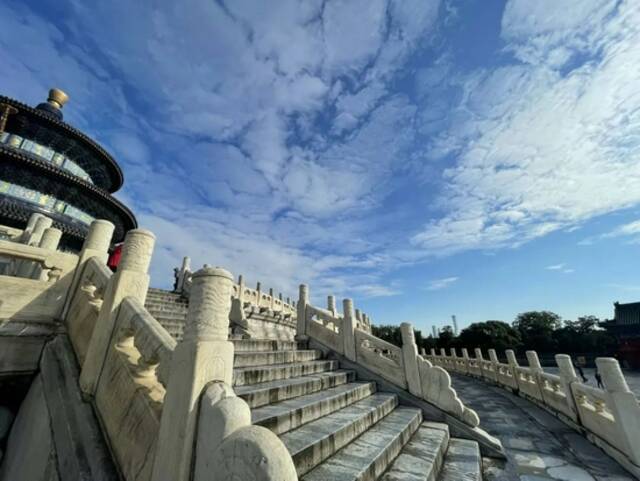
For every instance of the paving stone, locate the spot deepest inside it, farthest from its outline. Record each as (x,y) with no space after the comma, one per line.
(462,461)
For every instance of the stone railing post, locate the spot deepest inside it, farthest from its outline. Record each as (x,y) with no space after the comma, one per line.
(493,357)
(24,267)
(50,241)
(534,362)
(31,224)
(623,404)
(331,305)
(303,300)
(42,223)
(131,279)
(241,287)
(184,271)
(205,355)
(348,330)
(478,353)
(96,244)
(410,359)
(443,353)
(359,317)
(433,352)
(567,376)
(511,359)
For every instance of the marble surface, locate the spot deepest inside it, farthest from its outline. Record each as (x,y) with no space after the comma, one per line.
(538,446)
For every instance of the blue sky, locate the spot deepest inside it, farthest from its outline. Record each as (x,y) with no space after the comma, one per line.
(427,158)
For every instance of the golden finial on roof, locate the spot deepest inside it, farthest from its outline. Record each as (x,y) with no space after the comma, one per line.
(57,98)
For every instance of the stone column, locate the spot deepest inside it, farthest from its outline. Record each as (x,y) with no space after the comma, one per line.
(331,304)
(184,271)
(433,352)
(303,300)
(359,316)
(465,353)
(241,291)
(624,406)
(410,359)
(348,330)
(478,353)
(96,244)
(534,362)
(205,355)
(130,280)
(423,352)
(443,353)
(49,241)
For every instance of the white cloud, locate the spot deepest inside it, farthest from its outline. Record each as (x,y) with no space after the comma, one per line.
(540,149)
(560,268)
(437,284)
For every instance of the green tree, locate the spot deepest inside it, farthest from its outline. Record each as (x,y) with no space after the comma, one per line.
(537,330)
(446,338)
(388,333)
(490,334)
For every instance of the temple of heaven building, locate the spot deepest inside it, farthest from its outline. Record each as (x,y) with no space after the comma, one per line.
(48,166)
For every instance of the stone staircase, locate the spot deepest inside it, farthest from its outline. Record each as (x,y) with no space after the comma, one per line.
(339,428)
(335,426)
(169,309)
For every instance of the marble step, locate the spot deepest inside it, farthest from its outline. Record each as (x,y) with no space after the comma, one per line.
(166,296)
(261,394)
(287,415)
(314,442)
(462,461)
(422,457)
(268,358)
(255,345)
(366,458)
(169,317)
(165,307)
(258,374)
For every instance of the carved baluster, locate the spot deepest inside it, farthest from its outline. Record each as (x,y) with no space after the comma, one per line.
(205,355)
(96,244)
(131,279)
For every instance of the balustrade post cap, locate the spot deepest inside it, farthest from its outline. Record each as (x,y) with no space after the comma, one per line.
(104,222)
(140,232)
(213,272)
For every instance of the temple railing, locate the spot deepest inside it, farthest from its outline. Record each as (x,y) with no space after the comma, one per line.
(35,279)
(401,366)
(609,417)
(161,402)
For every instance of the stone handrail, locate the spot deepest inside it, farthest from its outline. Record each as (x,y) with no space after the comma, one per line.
(401,366)
(85,304)
(152,341)
(609,417)
(35,279)
(152,394)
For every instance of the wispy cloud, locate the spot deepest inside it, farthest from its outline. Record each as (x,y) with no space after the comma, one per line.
(538,136)
(437,284)
(559,268)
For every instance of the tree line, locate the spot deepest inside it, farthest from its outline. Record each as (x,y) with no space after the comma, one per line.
(541,331)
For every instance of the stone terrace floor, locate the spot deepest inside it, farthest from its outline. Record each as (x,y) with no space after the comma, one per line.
(538,445)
